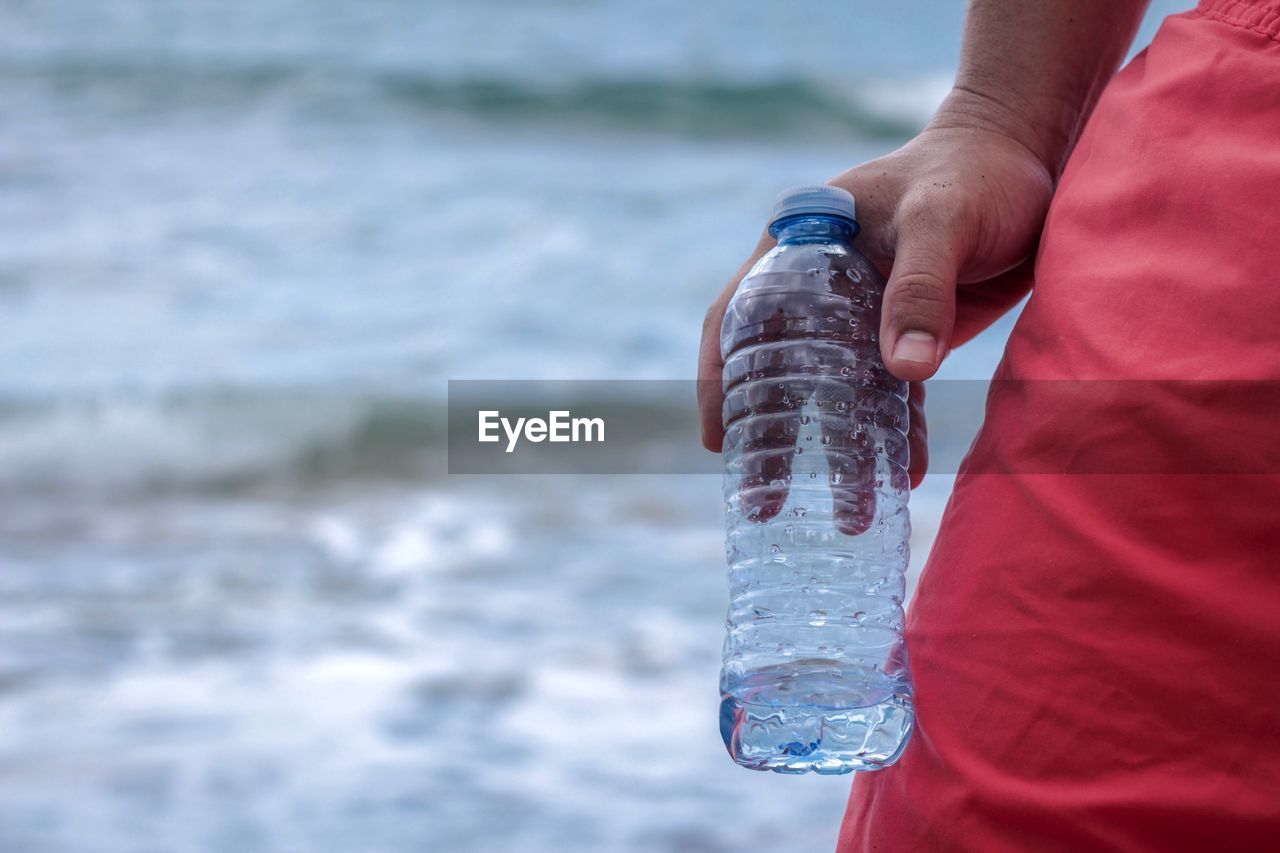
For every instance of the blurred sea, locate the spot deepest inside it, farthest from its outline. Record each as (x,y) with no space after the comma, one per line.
(242,607)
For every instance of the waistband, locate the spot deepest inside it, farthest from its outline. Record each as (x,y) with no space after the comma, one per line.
(1260,16)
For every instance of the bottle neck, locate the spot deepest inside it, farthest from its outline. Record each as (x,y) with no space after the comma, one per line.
(814,228)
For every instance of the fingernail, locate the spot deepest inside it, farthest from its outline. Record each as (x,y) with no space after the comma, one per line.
(920,347)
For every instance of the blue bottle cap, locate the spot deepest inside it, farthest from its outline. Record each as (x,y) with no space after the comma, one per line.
(814,198)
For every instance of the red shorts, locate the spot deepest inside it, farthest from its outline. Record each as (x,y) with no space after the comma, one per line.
(1097,655)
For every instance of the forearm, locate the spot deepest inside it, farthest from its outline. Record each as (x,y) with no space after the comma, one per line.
(1033,69)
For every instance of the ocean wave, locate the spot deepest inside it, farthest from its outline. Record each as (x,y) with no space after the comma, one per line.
(220,442)
(236,441)
(695,106)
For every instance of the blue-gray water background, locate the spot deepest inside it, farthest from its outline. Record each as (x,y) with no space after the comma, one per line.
(245,244)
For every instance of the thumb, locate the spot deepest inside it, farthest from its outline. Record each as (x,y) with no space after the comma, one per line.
(920,299)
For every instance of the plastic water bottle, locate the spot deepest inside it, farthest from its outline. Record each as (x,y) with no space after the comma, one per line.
(815,668)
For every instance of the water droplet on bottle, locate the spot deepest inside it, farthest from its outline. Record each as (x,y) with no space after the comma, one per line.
(774,549)
(826,439)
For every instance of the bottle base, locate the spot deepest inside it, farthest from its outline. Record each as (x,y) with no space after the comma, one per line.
(828,738)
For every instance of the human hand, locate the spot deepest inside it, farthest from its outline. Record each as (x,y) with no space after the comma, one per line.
(951,217)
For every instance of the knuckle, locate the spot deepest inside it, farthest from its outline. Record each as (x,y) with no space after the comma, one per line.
(918,202)
(924,202)
(921,291)
(934,208)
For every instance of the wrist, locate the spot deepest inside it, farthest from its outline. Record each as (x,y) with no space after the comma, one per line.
(1046,131)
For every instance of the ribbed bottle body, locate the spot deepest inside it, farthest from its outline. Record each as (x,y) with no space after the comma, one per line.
(815,671)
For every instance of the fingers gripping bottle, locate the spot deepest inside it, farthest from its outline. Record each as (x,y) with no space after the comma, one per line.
(815,668)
